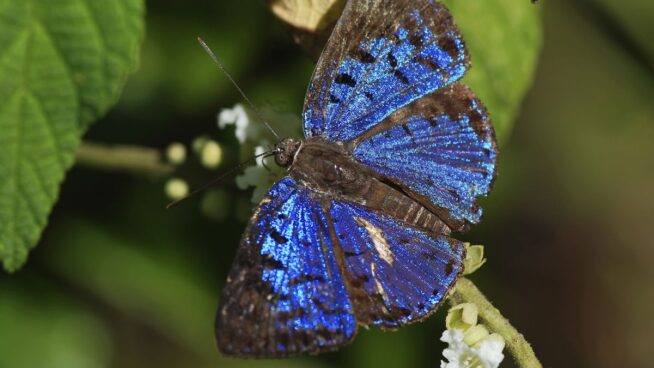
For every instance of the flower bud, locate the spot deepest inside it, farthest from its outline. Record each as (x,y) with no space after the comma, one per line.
(211,154)
(474,258)
(176,188)
(462,317)
(176,153)
(475,334)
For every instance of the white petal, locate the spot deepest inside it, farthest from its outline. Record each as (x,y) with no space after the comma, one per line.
(486,353)
(238,117)
(490,351)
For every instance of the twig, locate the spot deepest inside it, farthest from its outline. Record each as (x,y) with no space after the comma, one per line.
(466,292)
(143,160)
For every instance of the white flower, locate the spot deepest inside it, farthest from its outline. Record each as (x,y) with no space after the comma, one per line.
(252,134)
(239,118)
(259,176)
(486,353)
(250,128)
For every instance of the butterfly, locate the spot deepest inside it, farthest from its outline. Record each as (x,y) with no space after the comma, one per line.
(396,152)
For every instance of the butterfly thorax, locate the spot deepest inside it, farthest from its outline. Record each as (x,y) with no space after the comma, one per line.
(330,170)
(285,151)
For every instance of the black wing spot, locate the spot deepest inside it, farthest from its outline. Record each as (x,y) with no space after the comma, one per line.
(392,60)
(283,317)
(334,99)
(436,292)
(404,311)
(320,305)
(345,78)
(277,237)
(398,74)
(365,57)
(396,37)
(427,63)
(449,267)
(368,95)
(448,44)
(306,278)
(263,288)
(420,306)
(407,130)
(454,194)
(282,337)
(353,254)
(429,256)
(416,40)
(272,263)
(281,216)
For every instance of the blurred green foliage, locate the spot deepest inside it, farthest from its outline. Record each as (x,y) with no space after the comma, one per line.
(64,64)
(117,281)
(504,41)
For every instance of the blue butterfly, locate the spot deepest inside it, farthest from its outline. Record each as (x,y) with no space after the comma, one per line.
(358,233)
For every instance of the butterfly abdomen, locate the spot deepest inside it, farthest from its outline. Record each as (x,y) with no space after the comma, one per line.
(329,169)
(387,199)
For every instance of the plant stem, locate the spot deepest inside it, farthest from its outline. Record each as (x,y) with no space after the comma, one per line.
(123,158)
(466,292)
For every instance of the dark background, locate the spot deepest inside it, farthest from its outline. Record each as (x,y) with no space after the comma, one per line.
(117,281)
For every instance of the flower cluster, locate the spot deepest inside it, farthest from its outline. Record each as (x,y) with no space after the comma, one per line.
(470,344)
(254,137)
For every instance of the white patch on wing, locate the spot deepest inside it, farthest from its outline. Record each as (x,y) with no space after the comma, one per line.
(378,285)
(378,240)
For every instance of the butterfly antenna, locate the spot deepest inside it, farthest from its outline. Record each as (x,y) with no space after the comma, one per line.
(219,179)
(222,68)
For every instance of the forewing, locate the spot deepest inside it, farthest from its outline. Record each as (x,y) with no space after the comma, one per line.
(285,294)
(396,274)
(382,55)
(440,149)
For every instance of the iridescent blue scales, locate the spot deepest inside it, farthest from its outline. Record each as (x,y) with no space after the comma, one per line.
(289,295)
(398,273)
(356,85)
(441,146)
(396,154)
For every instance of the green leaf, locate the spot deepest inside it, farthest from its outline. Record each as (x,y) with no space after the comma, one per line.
(63,64)
(504,39)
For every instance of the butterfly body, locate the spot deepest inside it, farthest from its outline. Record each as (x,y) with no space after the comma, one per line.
(331,171)
(396,152)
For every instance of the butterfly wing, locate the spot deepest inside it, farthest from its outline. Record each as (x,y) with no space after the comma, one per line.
(285,294)
(395,274)
(386,86)
(382,55)
(441,148)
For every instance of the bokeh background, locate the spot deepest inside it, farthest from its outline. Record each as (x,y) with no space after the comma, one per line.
(117,281)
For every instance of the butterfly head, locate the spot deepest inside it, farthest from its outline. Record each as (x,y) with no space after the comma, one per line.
(285,151)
